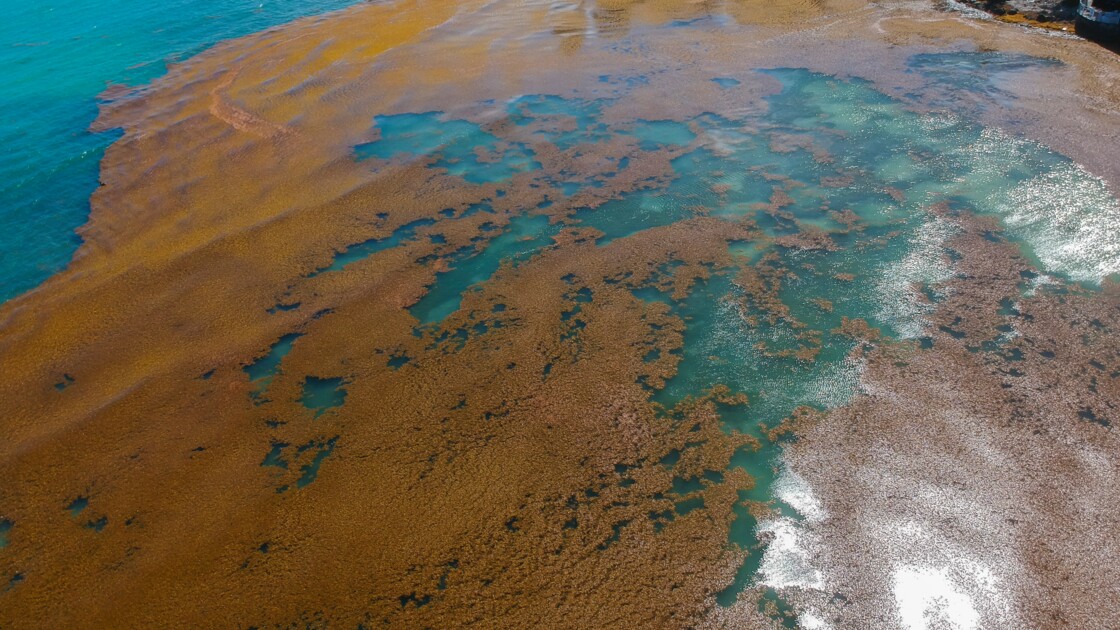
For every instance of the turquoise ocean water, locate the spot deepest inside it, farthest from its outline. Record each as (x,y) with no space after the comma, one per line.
(58,56)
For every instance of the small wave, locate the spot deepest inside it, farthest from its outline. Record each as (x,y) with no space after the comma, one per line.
(1069,218)
(965,10)
(1065,214)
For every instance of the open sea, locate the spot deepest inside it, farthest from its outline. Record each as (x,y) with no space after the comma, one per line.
(58,57)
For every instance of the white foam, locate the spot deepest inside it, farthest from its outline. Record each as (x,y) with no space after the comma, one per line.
(792,489)
(787,561)
(726,142)
(1069,218)
(900,302)
(928,598)
(811,621)
(937,582)
(1034,284)
(938,122)
(836,383)
(967,11)
(1065,214)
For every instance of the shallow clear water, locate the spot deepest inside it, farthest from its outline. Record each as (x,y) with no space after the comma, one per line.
(523,236)
(58,56)
(284,456)
(899,164)
(320,395)
(976,72)
(263,370)
(839,150)
(459,143)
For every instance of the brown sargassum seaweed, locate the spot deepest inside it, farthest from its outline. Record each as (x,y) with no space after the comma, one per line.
(507,473)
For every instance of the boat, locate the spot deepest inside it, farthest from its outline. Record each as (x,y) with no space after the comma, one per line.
(1099,20)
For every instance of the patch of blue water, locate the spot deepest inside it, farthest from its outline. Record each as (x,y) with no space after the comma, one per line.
(524,109)
(518,158)
(632,213)
(978,73)
(397,361)
(579,119)
(322,448)
(524,236)
(5,528)
(722,348)
(263,370)
(365,249)
(14,581)
(420,134)
(275,456)
(746,252)
(726,82)
(77,506)
(761,467)
(58,55)
(320,395)
(310,471)
(654,134)
(455,144)
(1059,212)
(693,189)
